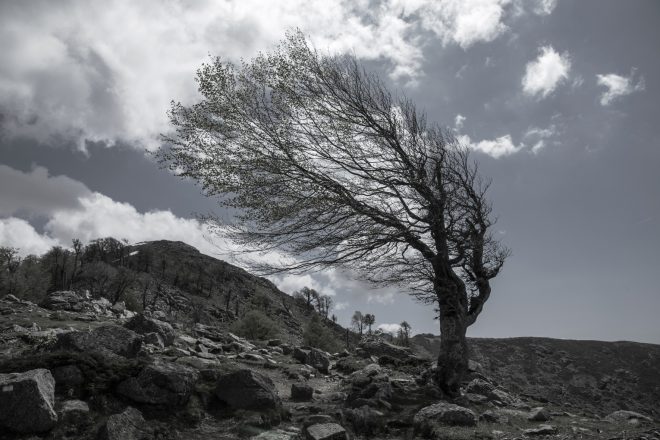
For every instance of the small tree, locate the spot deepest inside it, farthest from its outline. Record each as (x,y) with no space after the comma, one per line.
(403,335)
(320,160)
(357,322)
(369,320)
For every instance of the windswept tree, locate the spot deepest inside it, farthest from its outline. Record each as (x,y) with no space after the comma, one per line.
(323,163)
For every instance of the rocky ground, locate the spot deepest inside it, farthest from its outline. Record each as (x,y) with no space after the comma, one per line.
(76,368)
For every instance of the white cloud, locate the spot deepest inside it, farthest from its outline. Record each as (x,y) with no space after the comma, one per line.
(381,297)
(85,71)
(458,122)
(544,7)
(543,75)
(619,86)
(341,305)
(498,147)
(19,234)
(389,328)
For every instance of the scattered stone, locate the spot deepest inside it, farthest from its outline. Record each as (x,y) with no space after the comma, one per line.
(325,431)
(143,325)
(431,419)
(301,392)
(128,425)
(161,383)
(154,339)
(118,308)
(247,389)
(539,414)
(105,339)
(27,400)
(541,430)
(479,386)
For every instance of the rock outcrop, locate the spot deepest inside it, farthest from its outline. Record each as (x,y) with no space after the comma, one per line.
(27,401)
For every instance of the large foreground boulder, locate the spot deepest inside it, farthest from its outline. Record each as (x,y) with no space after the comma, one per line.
(161,383)
(247,389)
(27,401)
(128,425)
(431,419)
(143,325)
(111,339)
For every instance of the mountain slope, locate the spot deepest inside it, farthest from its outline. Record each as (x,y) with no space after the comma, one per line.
(593,376)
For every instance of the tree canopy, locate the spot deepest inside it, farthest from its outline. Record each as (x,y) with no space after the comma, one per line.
(321,161)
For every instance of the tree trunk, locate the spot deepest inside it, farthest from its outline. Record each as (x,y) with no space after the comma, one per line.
(453,357)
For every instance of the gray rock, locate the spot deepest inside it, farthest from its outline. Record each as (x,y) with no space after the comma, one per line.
(539,414)
(325,431)
(105,339)
(161,383)
(154,339)
(247,389)
(433,418)
(494,417)
(74,412)
(301,392)
(63,300)
(27,400)
(278,434)
(479,386)
(382,348)
(143,325)
(314,357)
(128,425)
(541,430)
(627,416)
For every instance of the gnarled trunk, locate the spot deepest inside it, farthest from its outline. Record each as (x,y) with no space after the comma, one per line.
(453,357)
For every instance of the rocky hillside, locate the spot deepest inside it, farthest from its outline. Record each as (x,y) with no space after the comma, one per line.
(591,376)
(81,368)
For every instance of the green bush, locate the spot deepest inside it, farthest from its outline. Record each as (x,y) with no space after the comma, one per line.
(255,325)
(317,335)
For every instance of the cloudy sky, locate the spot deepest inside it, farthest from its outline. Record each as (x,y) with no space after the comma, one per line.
(559,100)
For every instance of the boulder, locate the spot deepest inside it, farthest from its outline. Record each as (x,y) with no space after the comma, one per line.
(105,339)
(376,347)
(539,414)
(143,325)
(325,431)
(301,392)
(433,418)
(494,417)
(314,357)
(128,425)
(278,434)
(541,430)
(247,389)
(74,412)
(627,416)
(27,400)
(63,300)
(161,383)
(479,386)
